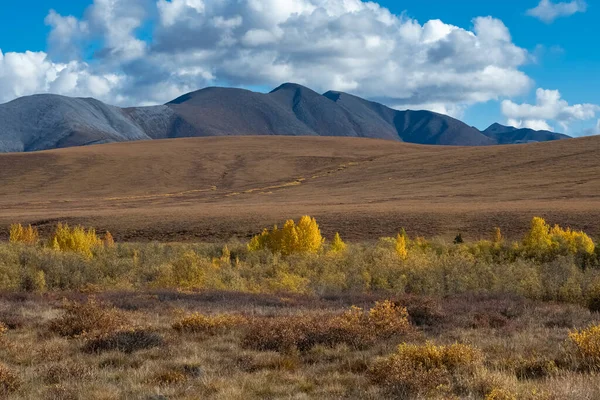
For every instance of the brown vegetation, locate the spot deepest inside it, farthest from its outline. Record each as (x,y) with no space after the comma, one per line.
(216,188)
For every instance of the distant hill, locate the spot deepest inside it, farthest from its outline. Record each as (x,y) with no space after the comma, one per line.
(43,122)
(509,135)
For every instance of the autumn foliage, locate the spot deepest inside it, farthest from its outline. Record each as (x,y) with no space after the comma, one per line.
(76,240)
(19,234)
(303,237)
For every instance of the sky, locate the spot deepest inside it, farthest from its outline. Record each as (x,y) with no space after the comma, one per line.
(525,63)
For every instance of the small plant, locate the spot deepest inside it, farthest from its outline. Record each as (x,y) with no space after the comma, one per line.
(425,369)
(109,240)
(497,236)
(210,325)
(83,319)
(19,234)
(169,377)
(587,343)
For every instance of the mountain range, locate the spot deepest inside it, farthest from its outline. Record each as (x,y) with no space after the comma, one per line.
(46,121)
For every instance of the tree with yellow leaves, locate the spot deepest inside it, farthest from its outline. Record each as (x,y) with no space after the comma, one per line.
(19,234)
(304,237)
(337,245)
(400,246)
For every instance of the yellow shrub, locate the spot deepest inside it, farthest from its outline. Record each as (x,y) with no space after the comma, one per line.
(188,271)
(387,318)
(587,342)
(285,282)
(401,246)
(305,237)
(212,325)
(76,240)
(543,242)
(19,234)
(425,369)
(500,394)
(538,239)
(337,245)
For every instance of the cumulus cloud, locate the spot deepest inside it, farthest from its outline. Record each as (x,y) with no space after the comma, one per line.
(548,12)
(549,106)
(347,45)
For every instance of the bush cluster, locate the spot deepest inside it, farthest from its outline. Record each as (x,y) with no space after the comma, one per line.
(89,318)
(208,324)
(426,370)
(304,237)
(19,234)
(356,328)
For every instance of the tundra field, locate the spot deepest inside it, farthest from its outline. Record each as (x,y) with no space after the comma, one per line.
(426,272)
(213,189)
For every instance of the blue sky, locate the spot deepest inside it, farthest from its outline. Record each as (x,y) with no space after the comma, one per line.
(123,52)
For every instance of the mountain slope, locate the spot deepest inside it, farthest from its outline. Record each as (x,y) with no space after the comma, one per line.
(43,122)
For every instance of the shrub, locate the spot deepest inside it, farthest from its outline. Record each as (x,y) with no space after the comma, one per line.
(497,236)
(169,377)
(83,319)
(544,243)
(425,369)
(76,240)
(500,394)
(19,234)
(355,328)
(305,237)
(535,368)
(459,239)
(9,381)
(210,325)
(109,240)
(126,341)
(587,343)
(337,245)
(57,373)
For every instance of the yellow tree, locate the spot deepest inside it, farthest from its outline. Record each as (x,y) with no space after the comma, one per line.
(337,245)
(310,239)
(401,248)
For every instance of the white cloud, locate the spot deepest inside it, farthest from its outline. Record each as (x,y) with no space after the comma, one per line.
(535,124)
(549,106)
(548,12)
(348,45)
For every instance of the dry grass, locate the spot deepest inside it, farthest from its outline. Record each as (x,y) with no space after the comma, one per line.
(449,357)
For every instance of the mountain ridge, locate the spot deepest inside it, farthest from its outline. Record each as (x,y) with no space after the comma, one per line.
(47,121)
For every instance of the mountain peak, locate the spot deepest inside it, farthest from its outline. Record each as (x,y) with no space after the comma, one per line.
(290,86)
